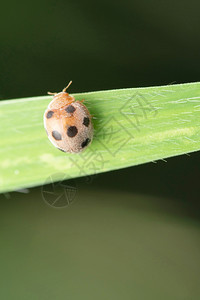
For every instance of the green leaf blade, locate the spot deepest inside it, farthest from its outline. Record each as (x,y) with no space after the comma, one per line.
(131,127)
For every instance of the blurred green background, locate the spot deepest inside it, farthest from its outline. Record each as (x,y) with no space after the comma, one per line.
(128,234)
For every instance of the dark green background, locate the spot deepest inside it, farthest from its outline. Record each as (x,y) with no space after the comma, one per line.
(129,234)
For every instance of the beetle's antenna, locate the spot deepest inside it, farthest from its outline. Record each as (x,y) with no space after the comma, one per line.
(64,90)
(50,93)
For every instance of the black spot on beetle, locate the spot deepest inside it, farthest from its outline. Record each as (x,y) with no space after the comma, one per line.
(70,109)
(85,143)
(86,121)
(72,131)
(49,114)
(57,136)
